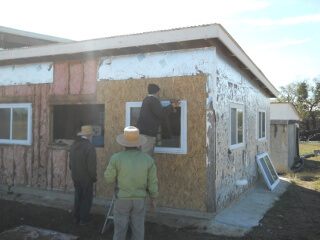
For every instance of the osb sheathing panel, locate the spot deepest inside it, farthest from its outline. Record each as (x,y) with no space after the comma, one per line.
(182,177)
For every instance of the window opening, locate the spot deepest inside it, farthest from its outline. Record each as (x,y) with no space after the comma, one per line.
(68,119)
(172,136)
(16,123)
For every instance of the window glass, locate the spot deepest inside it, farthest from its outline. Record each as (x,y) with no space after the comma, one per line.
(236,130)
(233,126)
(262,125)
(16,123)
(240,126)
(169,131)
(5,123)
(259,124)
(20,123)
(134,115)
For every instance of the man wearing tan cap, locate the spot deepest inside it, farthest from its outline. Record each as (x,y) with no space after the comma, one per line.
(83,165)
(135,175)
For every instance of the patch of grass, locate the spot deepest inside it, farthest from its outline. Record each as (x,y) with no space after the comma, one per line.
(308,148)
(309,176)
(293,182)
(316,185)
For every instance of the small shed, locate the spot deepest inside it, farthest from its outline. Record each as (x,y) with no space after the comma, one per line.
(284,135)
(202,151)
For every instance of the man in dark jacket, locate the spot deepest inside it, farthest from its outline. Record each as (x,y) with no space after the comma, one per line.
(83,165)
(151,114)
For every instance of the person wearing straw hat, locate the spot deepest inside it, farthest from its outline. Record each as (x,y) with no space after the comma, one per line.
(151,114)
(83,165)
(135,175)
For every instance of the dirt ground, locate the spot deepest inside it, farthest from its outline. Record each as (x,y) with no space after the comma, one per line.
(295,216)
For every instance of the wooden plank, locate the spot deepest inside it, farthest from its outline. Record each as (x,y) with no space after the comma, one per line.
(36,135)
(16,99)
(8,164)
(60,78)
(49,169)
(29,160)
(90,77)
(69,182)
(10,90)
(19,159)
(24,90)
(59,158)
(43,135)
(74,99)
(2,91)
(76,77)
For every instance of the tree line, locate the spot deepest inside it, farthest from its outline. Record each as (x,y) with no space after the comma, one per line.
(305,95)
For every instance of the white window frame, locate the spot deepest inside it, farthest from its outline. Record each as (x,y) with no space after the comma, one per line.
(28,141)
(236,106)
(183,127)
(259,124)
(268,171)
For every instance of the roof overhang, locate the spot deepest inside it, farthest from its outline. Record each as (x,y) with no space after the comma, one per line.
(284,105)
(26,38)
(175,39)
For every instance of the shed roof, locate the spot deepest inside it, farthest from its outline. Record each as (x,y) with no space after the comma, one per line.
(283,111)
(158,41)
(14,38)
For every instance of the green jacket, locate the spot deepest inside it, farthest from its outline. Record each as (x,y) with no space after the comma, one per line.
(134,173)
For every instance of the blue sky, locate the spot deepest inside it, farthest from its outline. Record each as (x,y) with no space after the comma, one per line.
(282,37)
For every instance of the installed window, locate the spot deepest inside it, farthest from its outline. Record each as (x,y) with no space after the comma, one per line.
(262,125)
(172,135)
(236,130)
(68,119)
(16,123)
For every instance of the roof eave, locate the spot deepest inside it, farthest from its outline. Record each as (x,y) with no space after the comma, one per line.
(132,44)
(34,35)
